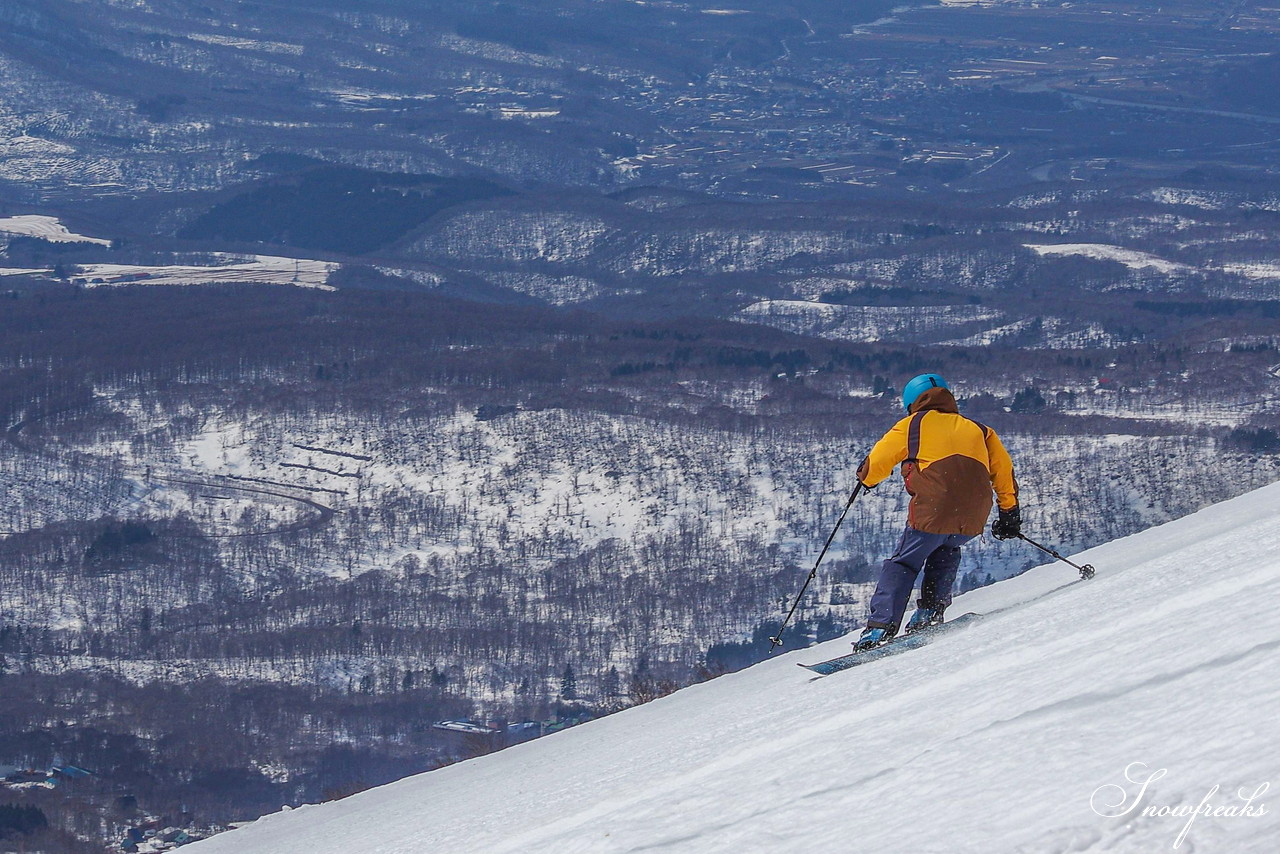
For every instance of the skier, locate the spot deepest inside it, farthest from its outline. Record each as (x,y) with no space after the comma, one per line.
(950,466)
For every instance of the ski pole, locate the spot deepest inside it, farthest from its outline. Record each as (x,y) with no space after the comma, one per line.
(1086,571)
(776,640)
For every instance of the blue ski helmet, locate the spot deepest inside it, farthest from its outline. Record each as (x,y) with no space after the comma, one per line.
(918,386)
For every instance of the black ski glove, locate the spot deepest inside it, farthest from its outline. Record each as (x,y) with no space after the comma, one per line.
(1008,524)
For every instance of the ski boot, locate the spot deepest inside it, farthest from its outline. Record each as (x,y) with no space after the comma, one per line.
(923,618)
(872,637)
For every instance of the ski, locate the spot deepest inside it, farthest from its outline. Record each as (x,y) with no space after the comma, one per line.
(901,643)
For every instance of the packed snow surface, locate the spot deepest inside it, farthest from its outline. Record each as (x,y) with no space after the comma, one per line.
(1075,717)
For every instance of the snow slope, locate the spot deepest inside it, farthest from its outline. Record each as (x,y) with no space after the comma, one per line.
(1014,735)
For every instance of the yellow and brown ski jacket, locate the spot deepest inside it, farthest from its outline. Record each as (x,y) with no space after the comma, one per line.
(950,465)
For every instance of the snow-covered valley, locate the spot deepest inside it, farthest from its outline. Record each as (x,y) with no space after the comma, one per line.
(349,515)
(425,505)
(370,365)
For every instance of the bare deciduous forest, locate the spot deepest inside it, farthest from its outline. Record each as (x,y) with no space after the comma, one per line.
(316,523)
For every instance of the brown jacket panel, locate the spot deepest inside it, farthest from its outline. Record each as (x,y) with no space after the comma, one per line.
(952,496)
(951,466)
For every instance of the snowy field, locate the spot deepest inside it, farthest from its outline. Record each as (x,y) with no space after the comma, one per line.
(1112,715)
(258,269)
(867,323)
(46,228)
(253,269)
(1131,258)
(1265,270)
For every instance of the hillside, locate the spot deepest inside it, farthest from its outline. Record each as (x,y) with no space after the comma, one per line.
(1004,736)
(367,365)
(291,528)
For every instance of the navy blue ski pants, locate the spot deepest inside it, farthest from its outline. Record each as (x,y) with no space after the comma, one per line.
(937,554)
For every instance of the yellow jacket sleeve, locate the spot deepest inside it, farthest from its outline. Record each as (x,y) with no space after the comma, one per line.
(887,453)
(1001,468)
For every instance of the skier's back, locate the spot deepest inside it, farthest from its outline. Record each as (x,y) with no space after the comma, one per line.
(951,465)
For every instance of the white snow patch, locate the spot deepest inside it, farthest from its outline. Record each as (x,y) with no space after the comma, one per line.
(426,278)
(1191,198)
(27,145)
(1257,270)
(865,323)
(46,228)
(1131,258)
(247,44)
(518,113)
(498,52)
(259,269)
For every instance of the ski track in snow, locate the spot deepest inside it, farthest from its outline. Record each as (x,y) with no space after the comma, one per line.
(990,739)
